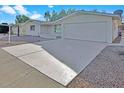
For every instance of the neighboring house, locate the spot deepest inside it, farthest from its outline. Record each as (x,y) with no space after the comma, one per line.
(80,25)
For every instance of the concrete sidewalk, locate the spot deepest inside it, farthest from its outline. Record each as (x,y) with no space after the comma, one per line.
(15,73)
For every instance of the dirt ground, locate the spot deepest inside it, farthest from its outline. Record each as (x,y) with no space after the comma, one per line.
(15,40)
(105,71)
(6,44)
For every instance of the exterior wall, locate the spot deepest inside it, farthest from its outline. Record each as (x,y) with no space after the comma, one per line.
(115,29)
(48,31)
(83,18)
(15,30)
(22,30)
(26,29)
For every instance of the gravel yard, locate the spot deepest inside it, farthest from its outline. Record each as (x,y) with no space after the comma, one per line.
(105,71)
(6,44)
(26,38)
(15,40)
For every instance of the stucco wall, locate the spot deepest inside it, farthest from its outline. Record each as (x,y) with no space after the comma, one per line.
(28,31)
(14,30)
(115,29)
(48,31)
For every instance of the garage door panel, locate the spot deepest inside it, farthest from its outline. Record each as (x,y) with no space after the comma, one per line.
(86,31)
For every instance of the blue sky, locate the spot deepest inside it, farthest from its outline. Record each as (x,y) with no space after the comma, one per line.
(8,13)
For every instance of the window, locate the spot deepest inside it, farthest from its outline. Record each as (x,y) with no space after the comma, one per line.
(32,27)
(57,29)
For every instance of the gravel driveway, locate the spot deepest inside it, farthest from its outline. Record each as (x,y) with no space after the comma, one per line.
(105,71)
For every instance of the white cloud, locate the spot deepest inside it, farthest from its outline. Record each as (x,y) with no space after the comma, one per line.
(21,10)
(37,16)
(50,6)
(8,10)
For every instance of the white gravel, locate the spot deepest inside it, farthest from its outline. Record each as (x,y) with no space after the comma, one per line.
(105,71)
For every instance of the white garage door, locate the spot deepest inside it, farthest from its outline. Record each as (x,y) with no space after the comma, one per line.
(95,31)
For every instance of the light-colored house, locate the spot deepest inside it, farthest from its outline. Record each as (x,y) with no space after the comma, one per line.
(37,28)
(80,25)
(30,27)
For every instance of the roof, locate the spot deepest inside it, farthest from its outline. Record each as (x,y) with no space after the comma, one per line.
(77,12)
(31,20)
(39,22)
(91,13)
(4,25)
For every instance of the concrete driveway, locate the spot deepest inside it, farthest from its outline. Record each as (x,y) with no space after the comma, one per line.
(15,73)
(61,60)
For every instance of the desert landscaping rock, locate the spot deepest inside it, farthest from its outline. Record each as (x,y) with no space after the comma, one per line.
(105,71)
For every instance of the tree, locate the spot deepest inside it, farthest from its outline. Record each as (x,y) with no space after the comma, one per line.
(69,11)
(54,16)
(119,12)
(21,19)
(47,16)
(62,14)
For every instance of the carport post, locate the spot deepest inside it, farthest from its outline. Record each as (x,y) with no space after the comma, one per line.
(9,33)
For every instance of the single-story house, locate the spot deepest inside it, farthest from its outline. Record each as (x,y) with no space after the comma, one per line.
(30,27)
(80,25)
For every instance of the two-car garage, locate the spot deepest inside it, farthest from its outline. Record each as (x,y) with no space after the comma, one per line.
(90,26)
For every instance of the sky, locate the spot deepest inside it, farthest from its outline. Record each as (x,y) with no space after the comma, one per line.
(8,13)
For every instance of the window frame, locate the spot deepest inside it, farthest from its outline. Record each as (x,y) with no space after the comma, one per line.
(32,27)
